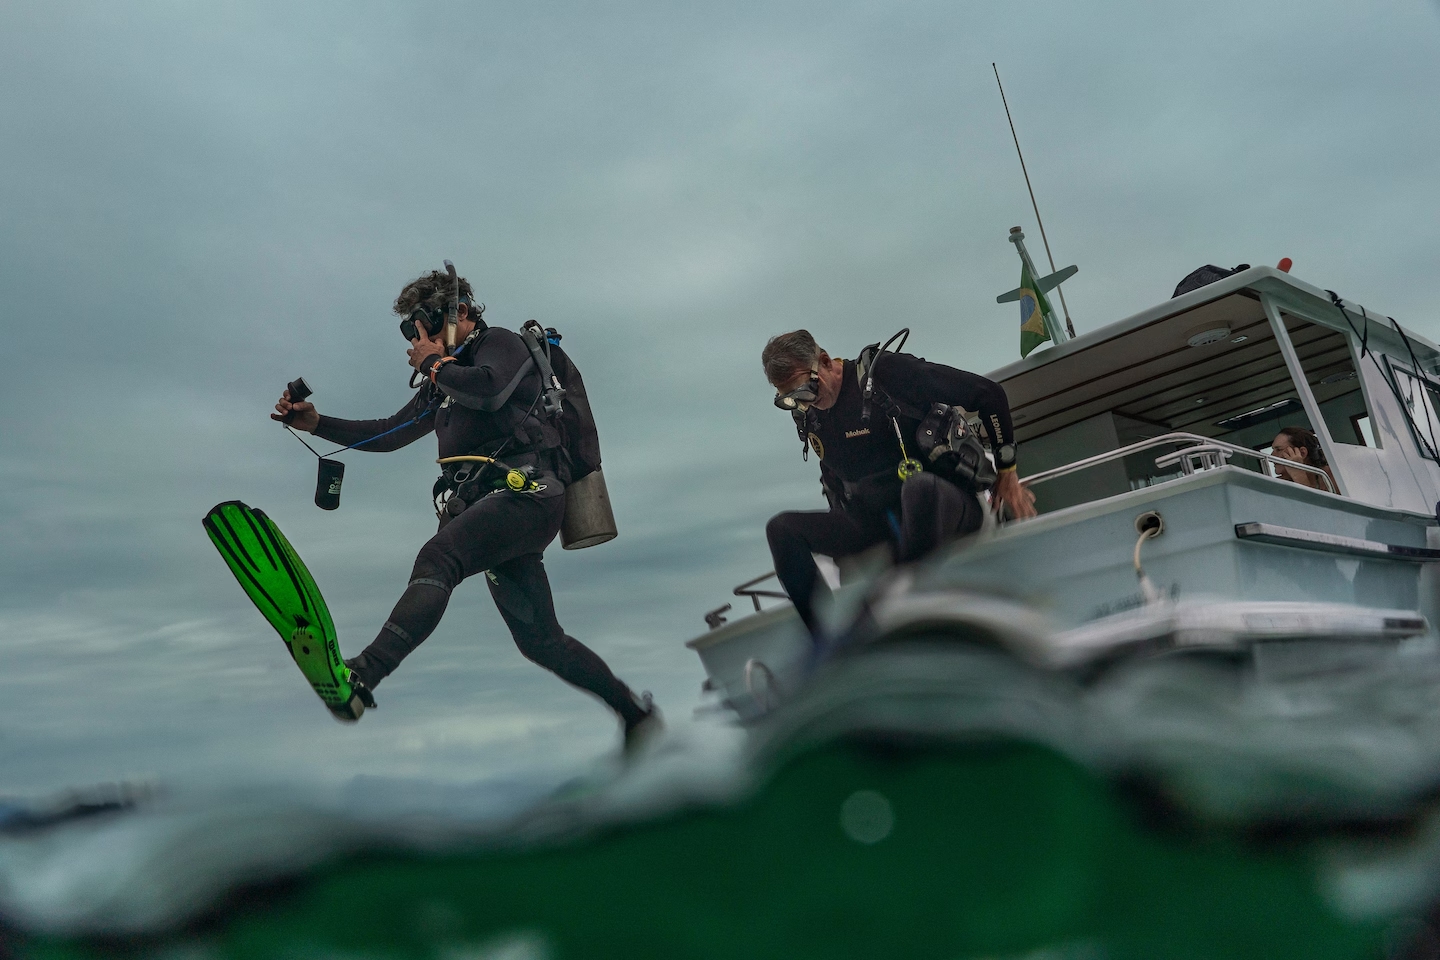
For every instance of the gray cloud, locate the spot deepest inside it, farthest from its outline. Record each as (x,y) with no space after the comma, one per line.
(200,204)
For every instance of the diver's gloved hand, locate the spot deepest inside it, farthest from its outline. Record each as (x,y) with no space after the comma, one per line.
(306,417)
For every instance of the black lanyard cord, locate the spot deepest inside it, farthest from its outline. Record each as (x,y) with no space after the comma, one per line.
(358,443)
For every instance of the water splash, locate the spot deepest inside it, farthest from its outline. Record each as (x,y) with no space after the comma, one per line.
(921,799)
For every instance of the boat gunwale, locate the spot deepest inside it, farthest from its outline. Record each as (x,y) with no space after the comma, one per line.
(1167,488)
(964,548)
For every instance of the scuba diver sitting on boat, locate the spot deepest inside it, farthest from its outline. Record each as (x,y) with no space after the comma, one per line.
(868,420)
(485,398)
(1300,445)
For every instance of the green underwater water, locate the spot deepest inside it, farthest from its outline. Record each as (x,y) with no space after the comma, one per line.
(1000,850)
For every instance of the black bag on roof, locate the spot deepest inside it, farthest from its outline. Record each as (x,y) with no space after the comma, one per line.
(1206,274)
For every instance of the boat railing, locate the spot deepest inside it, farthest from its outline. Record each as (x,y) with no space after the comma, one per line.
(715,619)
(747,589)
(1207,454)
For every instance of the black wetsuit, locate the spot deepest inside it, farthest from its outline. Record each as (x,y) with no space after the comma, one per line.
(858,471)
(500,533)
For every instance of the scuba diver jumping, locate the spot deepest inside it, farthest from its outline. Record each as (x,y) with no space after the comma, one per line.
(868,420)
(494,402)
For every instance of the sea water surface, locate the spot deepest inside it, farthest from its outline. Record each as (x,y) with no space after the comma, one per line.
(922,800)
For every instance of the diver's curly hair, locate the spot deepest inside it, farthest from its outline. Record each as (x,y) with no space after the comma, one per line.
(432,290)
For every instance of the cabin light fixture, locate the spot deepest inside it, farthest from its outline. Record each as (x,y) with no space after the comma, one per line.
(1206,335)
(1199,400)
(1270,411)
(1240,339)
(1340,377)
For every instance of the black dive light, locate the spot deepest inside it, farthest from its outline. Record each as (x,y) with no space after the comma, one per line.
(297,390)
(331,473)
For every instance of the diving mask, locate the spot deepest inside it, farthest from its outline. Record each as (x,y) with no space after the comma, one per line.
(802,396)
(422,319)
(425,323)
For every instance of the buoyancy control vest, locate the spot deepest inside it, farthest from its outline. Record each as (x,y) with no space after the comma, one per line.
(561,404)
(947,442)
(564,406)
(947,445)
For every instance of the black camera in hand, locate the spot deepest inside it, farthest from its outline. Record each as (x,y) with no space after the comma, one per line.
(297,390)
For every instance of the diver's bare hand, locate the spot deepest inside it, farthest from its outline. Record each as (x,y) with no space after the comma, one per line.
(306,417)
(422,348)
(1018,499)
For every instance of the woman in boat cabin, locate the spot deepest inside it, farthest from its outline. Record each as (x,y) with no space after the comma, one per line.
(1301,446)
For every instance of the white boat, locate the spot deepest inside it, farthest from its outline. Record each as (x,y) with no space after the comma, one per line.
(1162,525)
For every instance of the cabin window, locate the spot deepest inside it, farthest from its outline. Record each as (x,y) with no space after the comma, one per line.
(1329,366)
(1421,396)
(1361,423)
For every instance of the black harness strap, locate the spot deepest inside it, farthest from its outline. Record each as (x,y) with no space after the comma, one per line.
(503,397)
(802,427)
(554,393)
(493,403)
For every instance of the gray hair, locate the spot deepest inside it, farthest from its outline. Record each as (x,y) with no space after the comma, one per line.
(789,354)
(431,290)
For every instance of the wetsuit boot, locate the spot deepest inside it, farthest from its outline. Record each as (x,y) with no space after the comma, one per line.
(646,728)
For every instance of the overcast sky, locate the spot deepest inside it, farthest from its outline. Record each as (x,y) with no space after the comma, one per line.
(200,202)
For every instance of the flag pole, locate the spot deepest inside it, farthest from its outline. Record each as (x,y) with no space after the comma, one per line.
(1069,327)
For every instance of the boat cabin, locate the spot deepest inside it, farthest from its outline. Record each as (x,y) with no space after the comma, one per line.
(1233,362)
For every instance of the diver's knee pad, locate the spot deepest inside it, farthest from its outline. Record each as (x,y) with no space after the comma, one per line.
(435,568)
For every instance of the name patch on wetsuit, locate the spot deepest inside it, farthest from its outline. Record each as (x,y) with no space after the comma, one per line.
(852,434)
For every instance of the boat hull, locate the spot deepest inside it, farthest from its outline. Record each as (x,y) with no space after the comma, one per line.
(1037,586)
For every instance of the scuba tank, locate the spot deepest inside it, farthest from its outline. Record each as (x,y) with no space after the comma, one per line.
(589,520)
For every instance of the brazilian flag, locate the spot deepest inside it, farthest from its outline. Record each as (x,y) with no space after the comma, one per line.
(1033,308)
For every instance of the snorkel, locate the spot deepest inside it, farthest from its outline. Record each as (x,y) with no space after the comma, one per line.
(452,307)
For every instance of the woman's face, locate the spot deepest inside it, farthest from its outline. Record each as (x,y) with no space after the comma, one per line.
(1283,448)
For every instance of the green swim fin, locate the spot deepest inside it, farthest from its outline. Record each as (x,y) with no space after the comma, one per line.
(276,580)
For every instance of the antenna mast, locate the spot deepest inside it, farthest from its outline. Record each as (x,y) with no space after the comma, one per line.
(1069,327)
